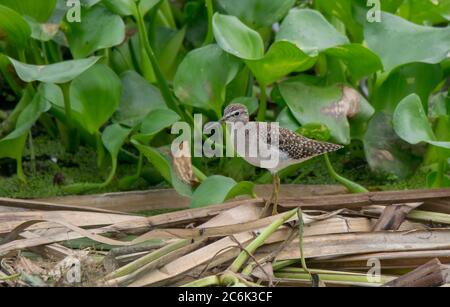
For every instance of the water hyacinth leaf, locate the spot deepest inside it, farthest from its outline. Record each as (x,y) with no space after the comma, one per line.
(425,11)
(343,10)
(12,146)
(95,95)
(155,122)
(385,151)
(419,78)
(331,106)
(168,55)
(224,188)
(100,29)
(138,99)
(310,31)
(113,138)
(287,120)
(390,45)
(352,54)
(412,125)
(437,154)
(14,27)
(250,102)
(42,31)
(58,73)
(39,10)
(121,7)
(282,58)
(236,38)
(257,13)
(203,75)
(164,166)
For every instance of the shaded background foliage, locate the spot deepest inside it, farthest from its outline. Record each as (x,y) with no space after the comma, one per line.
(115,82)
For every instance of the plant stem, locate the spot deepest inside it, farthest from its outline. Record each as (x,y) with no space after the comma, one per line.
(71,137)
(353,187)
(262,103)
(209,35)
(255,244)
(32,153)
(300,240)
(163,85)
(204,282)
(133,266)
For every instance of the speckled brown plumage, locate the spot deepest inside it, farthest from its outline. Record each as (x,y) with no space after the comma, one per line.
(297,147)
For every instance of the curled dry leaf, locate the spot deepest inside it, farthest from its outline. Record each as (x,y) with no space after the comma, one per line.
(182,164)
(349,105)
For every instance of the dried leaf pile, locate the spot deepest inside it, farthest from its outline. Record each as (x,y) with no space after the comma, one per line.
(399,238)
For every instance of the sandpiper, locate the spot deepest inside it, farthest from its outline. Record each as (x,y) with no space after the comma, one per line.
(290,147)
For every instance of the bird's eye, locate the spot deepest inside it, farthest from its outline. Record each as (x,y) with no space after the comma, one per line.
(237,113)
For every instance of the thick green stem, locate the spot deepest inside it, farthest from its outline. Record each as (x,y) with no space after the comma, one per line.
(133,266)
(255,244)
(353,187)
(163,85)
(32,153)
(71,137)
(208,281)
(209,35)
(262,103)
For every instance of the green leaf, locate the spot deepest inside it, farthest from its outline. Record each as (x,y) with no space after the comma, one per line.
(155,122)
(310,31)
(425,11)
(331,106)
(343,10)
(412,125)
(352,54)
(169,54)
(257,13)
(42,31)
(282,58)
(138,99)
(62,72)
(14,27)
(385,151)
(121,7)
(164,166)
(13,144)
(408,43)
(100,29)
(224,188)
(39,10)
(236,38)
(416,78)
(203,75)
(95,95)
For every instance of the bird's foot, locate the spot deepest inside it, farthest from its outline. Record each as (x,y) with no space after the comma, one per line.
(275,208)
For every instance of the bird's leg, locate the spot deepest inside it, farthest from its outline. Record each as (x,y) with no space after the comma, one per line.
(276,192)
(270,200)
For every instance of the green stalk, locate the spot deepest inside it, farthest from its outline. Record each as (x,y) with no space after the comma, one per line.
(255,244)
(208,281)
(262,103)
(209,35)
(300,240)
(133,266)
(358,280)
(163,85)
(32,153)
(100,149)
(72,135)
(427,216)
(353,187)
(199,174)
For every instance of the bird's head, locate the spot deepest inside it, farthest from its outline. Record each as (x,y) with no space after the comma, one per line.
(235,113)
